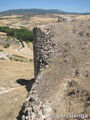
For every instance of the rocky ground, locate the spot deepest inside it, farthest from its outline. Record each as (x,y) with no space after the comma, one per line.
(62,88)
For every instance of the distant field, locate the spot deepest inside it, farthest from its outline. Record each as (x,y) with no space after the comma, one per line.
(17,21)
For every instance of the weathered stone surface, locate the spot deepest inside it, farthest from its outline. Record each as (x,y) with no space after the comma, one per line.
(62,88)
(5,55)
(42,47)
(64,18)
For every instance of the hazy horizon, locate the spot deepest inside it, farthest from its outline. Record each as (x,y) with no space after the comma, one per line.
(41,9)
(79,6)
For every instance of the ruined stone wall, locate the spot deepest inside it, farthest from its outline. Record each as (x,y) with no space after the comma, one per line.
(62,64)
(42,48)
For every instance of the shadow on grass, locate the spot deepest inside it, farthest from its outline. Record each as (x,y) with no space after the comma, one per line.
(28,84)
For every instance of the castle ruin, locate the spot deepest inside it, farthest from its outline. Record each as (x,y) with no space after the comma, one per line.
(61,65)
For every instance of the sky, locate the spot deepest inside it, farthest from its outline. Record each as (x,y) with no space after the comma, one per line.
(65,5)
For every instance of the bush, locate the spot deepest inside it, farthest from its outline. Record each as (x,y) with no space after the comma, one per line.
(7,46)
(30,60)
(2,58)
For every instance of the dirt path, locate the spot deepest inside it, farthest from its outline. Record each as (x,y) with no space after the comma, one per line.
(9,90)
(27,51)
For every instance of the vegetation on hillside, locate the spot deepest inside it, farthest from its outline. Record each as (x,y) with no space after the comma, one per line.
(19,58)
(7,45)
(32,12)
(21,34)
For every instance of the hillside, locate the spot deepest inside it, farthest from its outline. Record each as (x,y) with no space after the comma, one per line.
(18,21)
(67,45)
(33,12)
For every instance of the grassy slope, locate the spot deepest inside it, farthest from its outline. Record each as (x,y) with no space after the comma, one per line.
(11,102)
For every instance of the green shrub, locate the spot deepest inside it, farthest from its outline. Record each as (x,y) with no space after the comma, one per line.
(30,60)
(22,43)
(7,38)
(22,34)
(2,58)
(18,56)
(7,46)
(10,58)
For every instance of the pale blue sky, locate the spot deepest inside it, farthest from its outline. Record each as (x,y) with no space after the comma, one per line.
(65,5)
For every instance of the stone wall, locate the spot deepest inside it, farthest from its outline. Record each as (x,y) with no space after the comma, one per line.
(42,46)
(62,72)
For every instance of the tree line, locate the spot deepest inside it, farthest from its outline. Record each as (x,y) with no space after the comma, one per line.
(22,34)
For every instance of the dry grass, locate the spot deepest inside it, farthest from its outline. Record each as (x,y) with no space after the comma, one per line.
(11,101)
(17,21)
